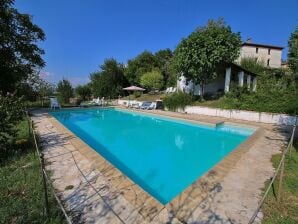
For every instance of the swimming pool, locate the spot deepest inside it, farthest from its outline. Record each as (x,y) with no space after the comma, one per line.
(162,155)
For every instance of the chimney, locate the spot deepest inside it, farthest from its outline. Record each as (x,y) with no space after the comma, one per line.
(249,40)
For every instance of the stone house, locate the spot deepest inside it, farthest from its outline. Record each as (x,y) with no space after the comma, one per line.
(267,54)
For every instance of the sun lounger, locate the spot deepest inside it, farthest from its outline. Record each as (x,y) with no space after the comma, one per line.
(94,102)
(146,105)
(152,106)
(136,105)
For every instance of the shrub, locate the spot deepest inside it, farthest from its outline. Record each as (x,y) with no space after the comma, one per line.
(11,112)
(251,64)
(275,93)
(177,100)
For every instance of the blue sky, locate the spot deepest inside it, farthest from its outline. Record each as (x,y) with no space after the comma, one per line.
(81,34)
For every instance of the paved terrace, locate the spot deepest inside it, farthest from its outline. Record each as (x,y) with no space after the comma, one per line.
(94,191)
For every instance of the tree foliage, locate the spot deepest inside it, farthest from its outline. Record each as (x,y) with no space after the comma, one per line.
(276,92)
(293,52)
(146,62)
(136,67)
(164,58)
(65,91)
(109,81)
(11,112)
(19,54)
(152,80)
(35,88)
(84,91)
(200,56)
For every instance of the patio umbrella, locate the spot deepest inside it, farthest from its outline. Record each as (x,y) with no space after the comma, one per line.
(133,88)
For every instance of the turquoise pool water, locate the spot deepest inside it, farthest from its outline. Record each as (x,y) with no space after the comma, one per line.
(162,155)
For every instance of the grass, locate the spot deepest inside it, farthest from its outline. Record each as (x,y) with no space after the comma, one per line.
(145,97)
(285,212)
(21,189)
(208,103)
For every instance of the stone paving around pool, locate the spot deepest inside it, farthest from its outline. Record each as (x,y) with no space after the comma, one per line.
(94,191)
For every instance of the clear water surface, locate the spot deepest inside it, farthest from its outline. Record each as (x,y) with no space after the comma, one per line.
(162,155)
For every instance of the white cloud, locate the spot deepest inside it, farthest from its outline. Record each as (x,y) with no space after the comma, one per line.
(46,74)
(54,78)
(78,80)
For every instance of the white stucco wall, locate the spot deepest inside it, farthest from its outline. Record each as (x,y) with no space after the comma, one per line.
(262,117)
(262,55)
(213,87)
(243,115)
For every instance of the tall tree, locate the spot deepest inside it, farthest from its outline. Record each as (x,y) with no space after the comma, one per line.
(144,62)
(164,58)
(65,90)
(20,55)
(200,56)
(84,91)
(293,52)
(110,80)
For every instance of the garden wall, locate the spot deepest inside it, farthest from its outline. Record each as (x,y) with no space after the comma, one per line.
(262,117)
(243,115)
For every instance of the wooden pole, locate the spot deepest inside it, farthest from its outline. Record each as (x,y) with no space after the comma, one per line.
(29,124)
(281,179)
(44,185)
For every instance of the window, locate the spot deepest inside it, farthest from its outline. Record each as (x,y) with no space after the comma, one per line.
(257,49)
(268,62)
(269,51)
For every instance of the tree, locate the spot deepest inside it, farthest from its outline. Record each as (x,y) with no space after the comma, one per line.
(293,52)
(35,88)
(83,91)
(110,80)
(65,91)
(204,52)
(152,80)
(19,54)
(144,62)
(164,58)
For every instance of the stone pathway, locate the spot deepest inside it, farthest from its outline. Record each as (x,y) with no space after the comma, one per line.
(93,191)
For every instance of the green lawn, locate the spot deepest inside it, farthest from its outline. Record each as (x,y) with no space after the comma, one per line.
(287,211)
(21,191)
